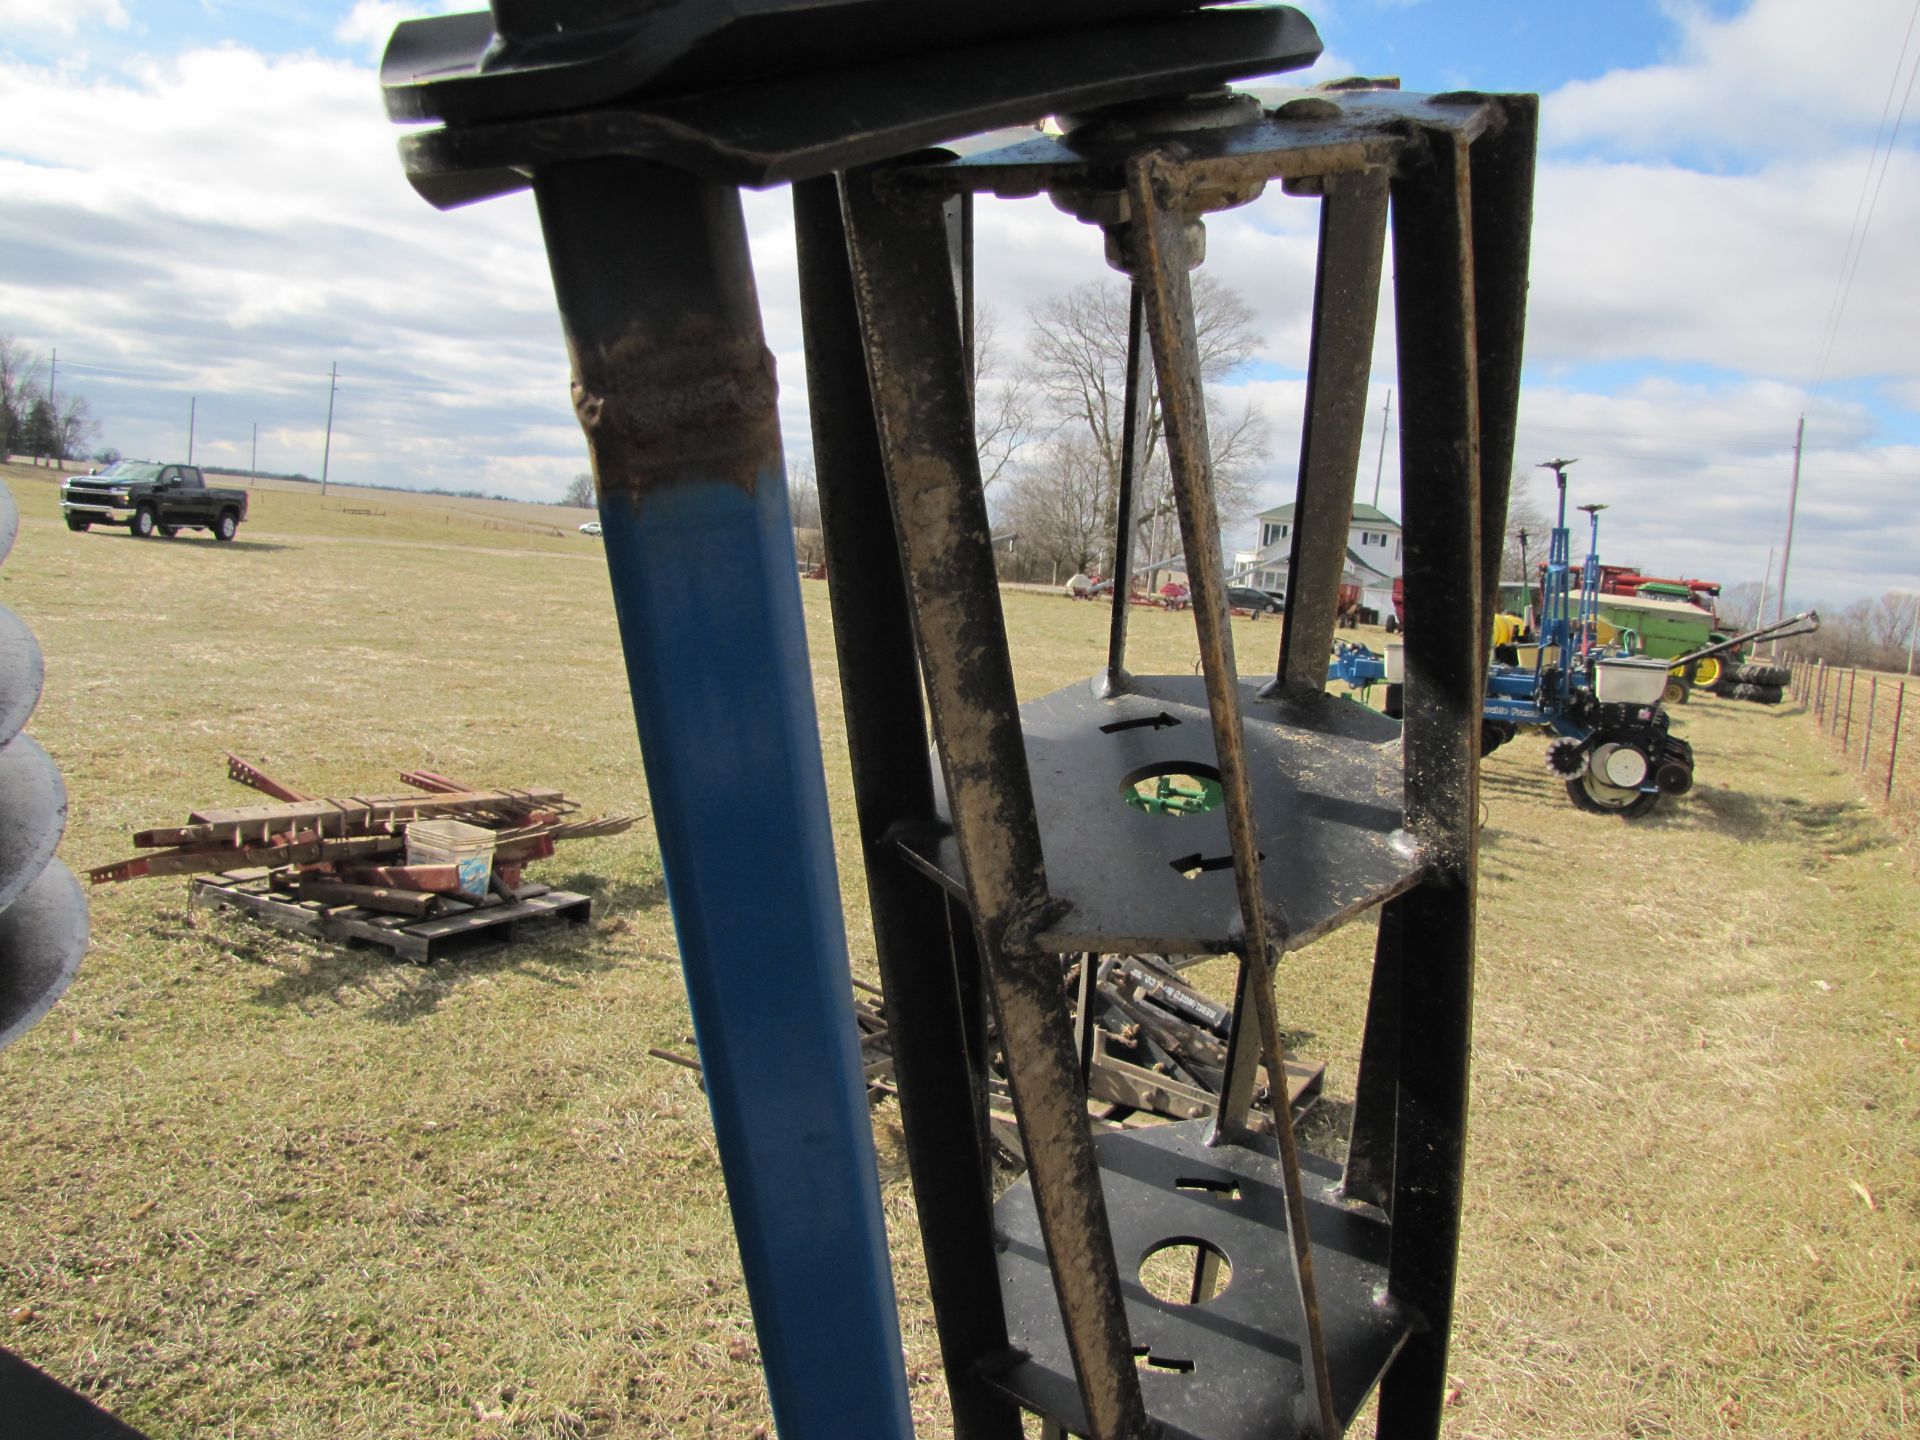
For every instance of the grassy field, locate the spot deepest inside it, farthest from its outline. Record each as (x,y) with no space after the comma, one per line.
(1873,720)
(259,1188)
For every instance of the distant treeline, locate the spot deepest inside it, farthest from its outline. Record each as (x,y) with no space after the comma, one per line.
(358,484)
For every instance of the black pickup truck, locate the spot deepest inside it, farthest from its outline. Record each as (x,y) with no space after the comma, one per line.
(151,499)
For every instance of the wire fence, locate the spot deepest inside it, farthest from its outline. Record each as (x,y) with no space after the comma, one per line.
(1862,715)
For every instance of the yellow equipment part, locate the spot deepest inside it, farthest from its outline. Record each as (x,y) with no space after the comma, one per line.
(1706,672)
(1507,628)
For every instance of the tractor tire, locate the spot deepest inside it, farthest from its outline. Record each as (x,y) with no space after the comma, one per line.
(1757,694)
(1677,691)
(1494,734)
(1710,673)
(1596,797)
(144,523)
(1774,675)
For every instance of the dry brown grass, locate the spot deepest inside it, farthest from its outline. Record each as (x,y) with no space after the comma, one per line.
(1872,721)
(257,1188)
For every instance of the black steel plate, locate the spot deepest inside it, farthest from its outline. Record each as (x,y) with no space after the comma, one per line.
(545,56)
(1335,131)
(1327,805)
(795,127)
(1227,1369)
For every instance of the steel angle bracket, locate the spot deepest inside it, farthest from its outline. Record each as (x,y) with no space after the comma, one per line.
(862,104)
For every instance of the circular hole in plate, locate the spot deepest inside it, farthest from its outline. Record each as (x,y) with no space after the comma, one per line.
(1186,1271)
(1173,787)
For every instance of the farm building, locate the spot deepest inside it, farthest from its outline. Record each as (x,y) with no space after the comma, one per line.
(1375,557)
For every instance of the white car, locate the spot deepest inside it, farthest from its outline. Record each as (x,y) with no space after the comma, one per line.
(592,527)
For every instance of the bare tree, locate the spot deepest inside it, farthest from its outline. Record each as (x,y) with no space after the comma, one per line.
(1059,508)
(1003,401)
(17,392)
(1078,361)
(579,492)
(803,501)
(1524,514)
(1739,605)
(1890,620)
(74,429)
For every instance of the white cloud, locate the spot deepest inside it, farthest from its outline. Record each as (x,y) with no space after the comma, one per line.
(61,17)
(370,23)
(1780,77)
(225,225)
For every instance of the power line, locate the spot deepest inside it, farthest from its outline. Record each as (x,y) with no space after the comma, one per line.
(1857,233)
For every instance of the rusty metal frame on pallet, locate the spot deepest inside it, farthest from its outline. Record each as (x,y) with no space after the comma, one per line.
(1460,255)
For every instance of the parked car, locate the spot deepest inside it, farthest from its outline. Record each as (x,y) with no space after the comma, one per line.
(1241,597)
(592,527)
(152,499)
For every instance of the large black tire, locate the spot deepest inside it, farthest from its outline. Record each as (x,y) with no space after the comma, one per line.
(75,522)
(144,523)
(1775,675)
(1758,694)
(226,525)
(167,532)
(1494,734)
(1597,797)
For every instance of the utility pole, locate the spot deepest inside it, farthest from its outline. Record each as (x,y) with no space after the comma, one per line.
(193,404)
(1793,505)
(1380,465)
(333,383)
(253,465)
(1913,626)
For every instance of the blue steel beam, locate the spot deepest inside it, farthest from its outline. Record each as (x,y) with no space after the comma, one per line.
(675,390)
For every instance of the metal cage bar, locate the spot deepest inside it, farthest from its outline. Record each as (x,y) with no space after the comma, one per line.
(674,388)
(1445,666)
(940,1109)
(923,405)
(1353,230)
(1161,253)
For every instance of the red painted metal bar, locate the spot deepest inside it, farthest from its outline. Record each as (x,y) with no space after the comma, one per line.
(1873,708)
(1893,751)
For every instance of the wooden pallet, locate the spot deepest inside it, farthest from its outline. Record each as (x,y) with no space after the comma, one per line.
(492,922)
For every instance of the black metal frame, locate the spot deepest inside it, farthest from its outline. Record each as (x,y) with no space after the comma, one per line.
(1075,1345)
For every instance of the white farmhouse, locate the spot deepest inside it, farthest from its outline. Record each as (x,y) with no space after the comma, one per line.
(1375,555)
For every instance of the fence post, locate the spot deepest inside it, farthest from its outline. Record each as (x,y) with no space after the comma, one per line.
(1899,704)
(1820,709)
(1873,705)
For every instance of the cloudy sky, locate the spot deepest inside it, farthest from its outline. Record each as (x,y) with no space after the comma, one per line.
(200,202)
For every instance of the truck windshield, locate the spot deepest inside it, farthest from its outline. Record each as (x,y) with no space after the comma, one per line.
(130,470)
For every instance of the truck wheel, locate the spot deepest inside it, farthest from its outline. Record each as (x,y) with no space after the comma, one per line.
(224,527)
(1758,694)
(167,532)
(1596,797)
(74,522)
(144,523)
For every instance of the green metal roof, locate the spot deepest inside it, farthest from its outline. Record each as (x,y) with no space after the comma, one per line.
(1362,515)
